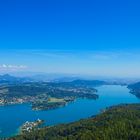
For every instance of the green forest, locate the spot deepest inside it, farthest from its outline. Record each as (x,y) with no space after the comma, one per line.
(115,123)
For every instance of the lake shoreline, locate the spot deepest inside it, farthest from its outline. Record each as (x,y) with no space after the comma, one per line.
(74,111)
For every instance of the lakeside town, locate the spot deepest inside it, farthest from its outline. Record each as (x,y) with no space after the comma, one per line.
(30,126)
(45,96)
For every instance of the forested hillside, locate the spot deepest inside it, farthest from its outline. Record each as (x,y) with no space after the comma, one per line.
(135,89)
(116,123)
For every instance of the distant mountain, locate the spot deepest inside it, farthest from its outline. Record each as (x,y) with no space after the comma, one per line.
(8,79)
(54,77)
(67,81)
(82,83)
(135,89)
(89,82)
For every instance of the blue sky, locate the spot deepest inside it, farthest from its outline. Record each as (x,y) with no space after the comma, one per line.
(94,63)
(97,37)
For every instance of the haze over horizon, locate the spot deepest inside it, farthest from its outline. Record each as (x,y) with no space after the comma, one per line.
(99,38)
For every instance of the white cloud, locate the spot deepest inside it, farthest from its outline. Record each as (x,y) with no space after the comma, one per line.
(12,67)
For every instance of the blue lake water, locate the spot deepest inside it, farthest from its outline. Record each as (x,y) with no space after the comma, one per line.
(13,116)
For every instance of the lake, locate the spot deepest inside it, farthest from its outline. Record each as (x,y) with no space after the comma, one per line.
(13,116)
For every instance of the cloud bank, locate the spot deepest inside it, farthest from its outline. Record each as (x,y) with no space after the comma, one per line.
(10,67)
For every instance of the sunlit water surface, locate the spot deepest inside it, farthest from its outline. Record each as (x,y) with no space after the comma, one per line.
(13,116)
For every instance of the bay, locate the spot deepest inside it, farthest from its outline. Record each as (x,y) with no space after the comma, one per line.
(13,116)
